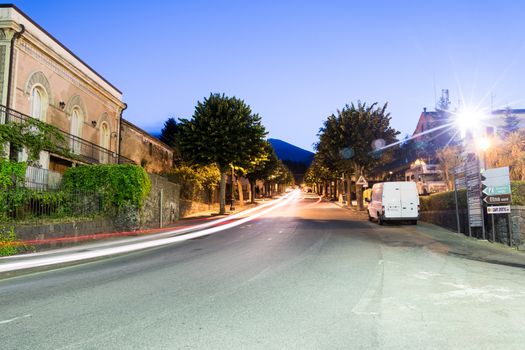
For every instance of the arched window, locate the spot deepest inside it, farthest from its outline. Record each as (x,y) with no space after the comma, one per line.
(77,120)
(38,104)
(104,142)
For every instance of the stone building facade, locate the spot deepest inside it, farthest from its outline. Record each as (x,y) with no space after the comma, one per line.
(144,149)
(42,79)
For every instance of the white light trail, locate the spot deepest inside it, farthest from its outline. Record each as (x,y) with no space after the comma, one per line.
(83,255)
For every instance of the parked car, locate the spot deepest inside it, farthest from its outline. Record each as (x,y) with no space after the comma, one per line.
(367,195)
(394,201)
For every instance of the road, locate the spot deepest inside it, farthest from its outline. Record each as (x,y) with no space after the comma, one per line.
(308,275)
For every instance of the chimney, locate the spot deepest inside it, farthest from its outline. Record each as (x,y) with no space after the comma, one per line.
(424,110)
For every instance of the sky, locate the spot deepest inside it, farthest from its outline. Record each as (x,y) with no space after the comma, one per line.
(296,62)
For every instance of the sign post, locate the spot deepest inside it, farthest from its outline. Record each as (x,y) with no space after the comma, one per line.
(459,184)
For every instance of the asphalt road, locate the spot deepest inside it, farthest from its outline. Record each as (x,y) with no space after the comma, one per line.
(305,276)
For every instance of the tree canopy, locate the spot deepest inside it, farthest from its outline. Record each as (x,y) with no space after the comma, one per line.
(223,130)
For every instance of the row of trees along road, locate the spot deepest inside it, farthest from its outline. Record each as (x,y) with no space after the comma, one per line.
(350,144)
(224,132)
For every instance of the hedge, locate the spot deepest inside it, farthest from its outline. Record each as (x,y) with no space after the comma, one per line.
(120,184)
(445,200)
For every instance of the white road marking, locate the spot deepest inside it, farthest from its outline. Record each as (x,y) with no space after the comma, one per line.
(15,318)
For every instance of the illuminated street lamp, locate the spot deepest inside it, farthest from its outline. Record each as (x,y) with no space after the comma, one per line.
(467,120)
(483,144)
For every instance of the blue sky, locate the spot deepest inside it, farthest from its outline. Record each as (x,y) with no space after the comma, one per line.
(295,62)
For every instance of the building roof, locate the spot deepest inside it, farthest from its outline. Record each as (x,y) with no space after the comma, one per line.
(56,41)
(512,111)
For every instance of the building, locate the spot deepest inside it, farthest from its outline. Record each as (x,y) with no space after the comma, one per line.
(40,78)
(144,149)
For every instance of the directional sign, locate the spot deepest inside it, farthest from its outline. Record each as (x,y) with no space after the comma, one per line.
(498,199)
(500,209)
(361,181)
(495,190)
(502,173)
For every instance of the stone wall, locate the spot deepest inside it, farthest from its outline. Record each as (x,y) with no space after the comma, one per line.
(64,229)
(518,225)
(447,219)
(163,203)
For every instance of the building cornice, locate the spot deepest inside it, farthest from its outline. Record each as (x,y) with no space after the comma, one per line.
(11,13)
(30,45)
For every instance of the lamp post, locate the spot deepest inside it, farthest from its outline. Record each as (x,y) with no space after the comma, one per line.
(469,125)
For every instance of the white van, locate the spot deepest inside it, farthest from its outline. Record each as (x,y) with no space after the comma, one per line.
(394,201)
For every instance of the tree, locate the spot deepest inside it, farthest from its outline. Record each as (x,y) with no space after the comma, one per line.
(449,158)
(222,130)
(512,123)
(352,141)
(262,167)
(170,135)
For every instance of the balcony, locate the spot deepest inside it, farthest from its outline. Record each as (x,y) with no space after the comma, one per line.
(75,147)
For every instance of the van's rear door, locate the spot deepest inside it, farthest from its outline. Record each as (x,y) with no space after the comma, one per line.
(392,200)
(409,200)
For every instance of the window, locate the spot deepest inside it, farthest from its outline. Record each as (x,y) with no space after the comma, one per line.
(37,105)
(104,142)
(76,130)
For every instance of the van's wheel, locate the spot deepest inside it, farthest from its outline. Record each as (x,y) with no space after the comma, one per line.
(380,219)
(369,217)
(413,222)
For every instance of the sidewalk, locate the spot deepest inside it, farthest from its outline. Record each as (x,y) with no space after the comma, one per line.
(472,248)
(452,243)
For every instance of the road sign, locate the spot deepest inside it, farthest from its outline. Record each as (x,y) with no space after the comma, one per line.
(500,209)
(502,172)
(495,190)
(498,199)
(473,182)
(361,181)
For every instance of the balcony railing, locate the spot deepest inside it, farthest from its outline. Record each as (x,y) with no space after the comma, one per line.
(77,148)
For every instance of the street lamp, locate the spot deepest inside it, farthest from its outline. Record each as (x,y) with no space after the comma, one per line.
(483,144)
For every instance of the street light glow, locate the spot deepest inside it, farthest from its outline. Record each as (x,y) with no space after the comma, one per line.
(483,143)
(467,119)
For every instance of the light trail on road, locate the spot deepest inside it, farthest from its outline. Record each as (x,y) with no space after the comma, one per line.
(83,255)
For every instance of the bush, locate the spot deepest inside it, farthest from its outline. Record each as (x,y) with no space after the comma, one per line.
(10,245)
(11,173)
(193,179)
(120,184)
(518,192)
(443,201)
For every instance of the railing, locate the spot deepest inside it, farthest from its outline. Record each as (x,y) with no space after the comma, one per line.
(78,148)
(42,179)
(30,205)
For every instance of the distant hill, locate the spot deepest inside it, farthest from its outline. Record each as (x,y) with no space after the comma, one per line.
(295,158)
(288,152)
